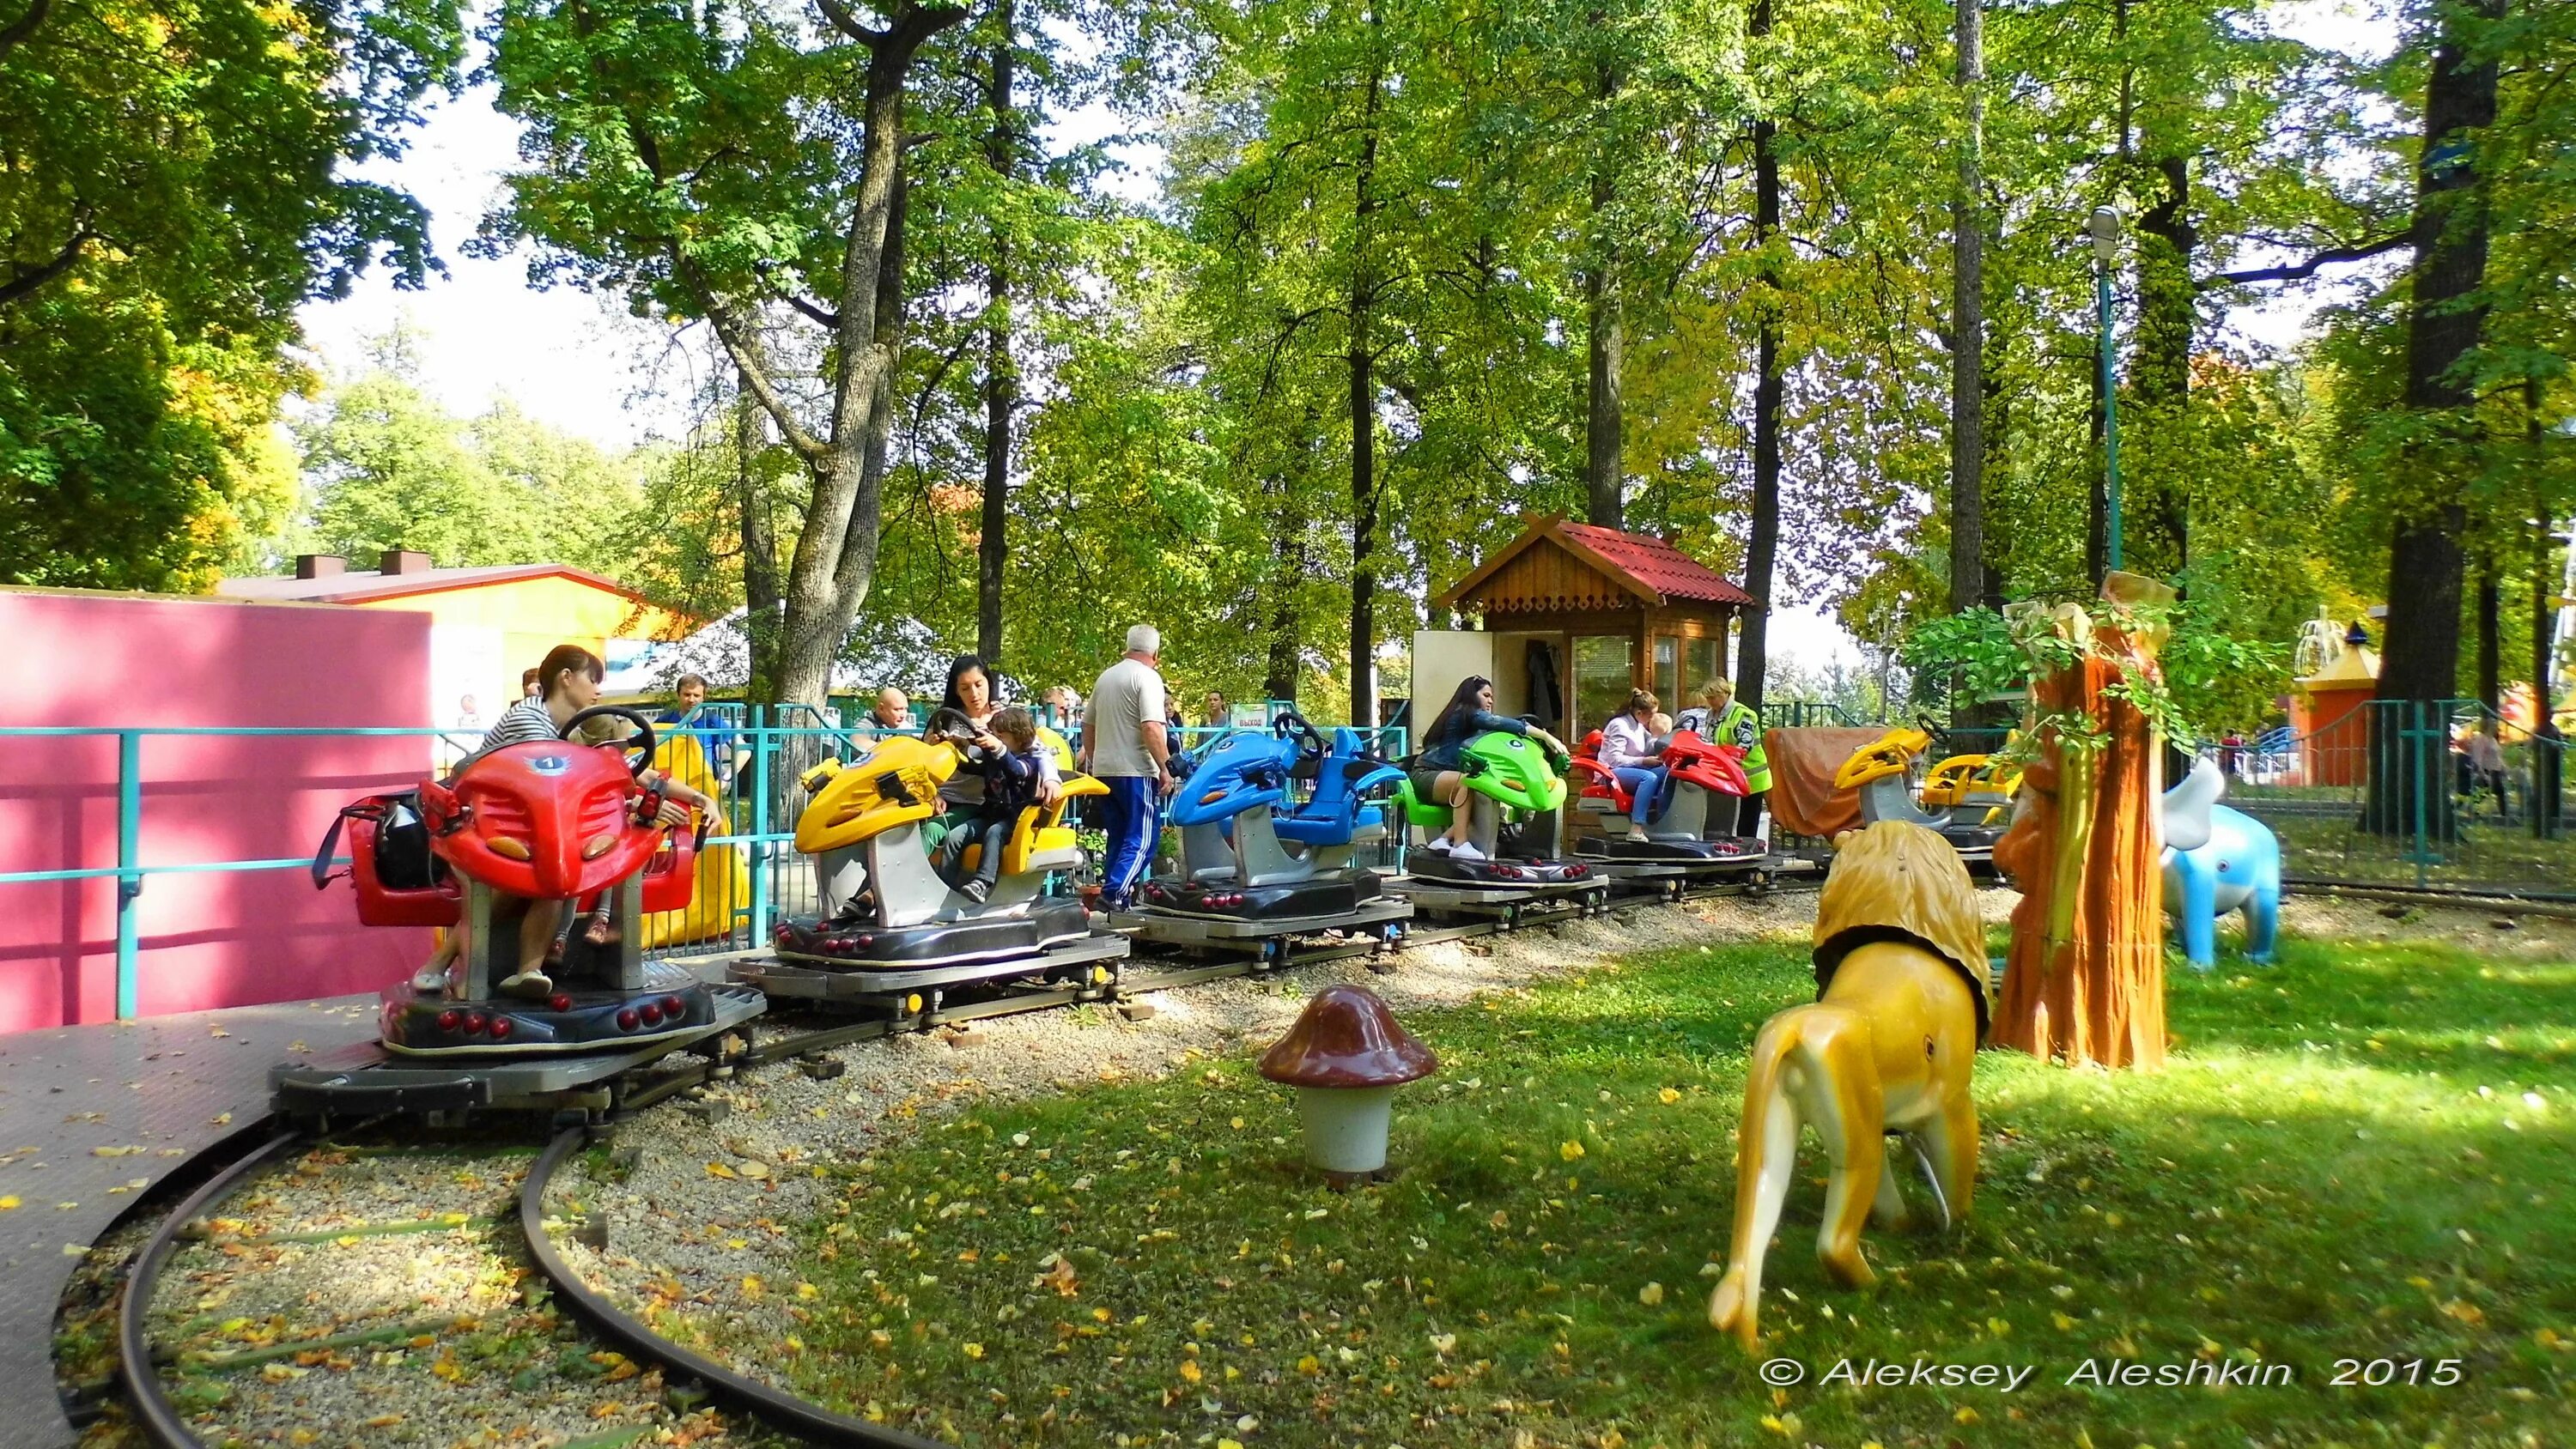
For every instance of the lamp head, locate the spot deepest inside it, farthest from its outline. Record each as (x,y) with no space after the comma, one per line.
(2104,227)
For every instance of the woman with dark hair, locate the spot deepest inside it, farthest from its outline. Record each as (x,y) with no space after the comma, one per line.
(970,688)
(970,693)
(1438,772)
(568,683)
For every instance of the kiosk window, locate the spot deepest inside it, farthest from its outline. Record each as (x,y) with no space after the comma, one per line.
(1605,669)
(1701,656)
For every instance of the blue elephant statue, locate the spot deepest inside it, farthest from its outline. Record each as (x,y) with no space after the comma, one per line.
(2218,860)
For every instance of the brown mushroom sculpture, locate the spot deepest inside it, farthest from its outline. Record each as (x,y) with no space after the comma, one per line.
(1346,1056)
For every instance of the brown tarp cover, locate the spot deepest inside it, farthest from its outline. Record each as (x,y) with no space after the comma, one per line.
(1803,761)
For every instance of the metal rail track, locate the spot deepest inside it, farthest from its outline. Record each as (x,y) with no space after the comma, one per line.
(774,1406)
(158,1418)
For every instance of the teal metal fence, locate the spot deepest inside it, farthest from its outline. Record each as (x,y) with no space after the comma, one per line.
(749,878)
(129,872)
(2400,793)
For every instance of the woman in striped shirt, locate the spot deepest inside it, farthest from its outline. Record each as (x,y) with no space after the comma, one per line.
(568,683)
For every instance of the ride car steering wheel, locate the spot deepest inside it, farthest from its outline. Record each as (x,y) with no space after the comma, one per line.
(1291,724)
(638,747)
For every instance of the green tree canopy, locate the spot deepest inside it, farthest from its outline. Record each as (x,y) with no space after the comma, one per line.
(174,180)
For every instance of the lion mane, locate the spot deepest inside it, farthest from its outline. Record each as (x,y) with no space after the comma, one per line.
(1896,881)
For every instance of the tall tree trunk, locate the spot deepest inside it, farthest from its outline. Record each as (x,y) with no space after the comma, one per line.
(807,652)
(1605,418)
(1001,373)
(834,560)
(1762,542)
(2546,761)
(2490,637)
(1968,342)
(2419,664)
(760,595)
(1996,423)
(2156,496)
(1279,678)
(1363,404)
(1290,563)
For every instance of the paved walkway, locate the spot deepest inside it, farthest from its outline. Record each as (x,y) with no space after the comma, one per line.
(90,1118)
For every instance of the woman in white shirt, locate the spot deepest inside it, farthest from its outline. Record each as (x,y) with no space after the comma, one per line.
(1630,751)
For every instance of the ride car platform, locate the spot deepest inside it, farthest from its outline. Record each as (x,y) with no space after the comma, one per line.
(88,1111)
(1511,905)
(1382,916)
(896,989)
(365,1080)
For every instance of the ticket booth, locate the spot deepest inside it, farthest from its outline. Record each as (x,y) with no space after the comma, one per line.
(1573,617)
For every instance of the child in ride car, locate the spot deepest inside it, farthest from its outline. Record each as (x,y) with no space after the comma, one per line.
(1006,755)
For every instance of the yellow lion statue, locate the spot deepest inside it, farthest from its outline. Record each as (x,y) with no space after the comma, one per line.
(1887,1048)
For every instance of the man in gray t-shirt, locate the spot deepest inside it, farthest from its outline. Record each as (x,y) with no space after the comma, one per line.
(1125,745)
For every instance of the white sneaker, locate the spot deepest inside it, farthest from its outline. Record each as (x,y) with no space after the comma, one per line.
(429,981)
(526,983)
(1465,850)
(1437,845)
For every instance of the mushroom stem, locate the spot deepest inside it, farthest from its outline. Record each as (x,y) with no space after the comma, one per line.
(1346,1127)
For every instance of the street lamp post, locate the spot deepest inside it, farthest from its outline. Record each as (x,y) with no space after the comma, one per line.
(2104,227)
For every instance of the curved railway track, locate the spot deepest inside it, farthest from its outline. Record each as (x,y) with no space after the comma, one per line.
(356,1281)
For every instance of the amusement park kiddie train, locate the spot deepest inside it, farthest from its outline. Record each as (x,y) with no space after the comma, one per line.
(545,861)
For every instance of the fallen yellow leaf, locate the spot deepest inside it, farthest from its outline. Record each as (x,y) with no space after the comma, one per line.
(718,1169)
(1652,1295)
(1570,1150)
(1190,1371)
(1668,1096)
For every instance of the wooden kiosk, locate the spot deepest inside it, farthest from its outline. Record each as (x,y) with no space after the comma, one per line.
(1575,617)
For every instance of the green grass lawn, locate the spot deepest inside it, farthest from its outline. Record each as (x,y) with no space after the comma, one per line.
(2341,1162)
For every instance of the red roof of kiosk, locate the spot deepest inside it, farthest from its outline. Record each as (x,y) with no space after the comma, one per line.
(1647,566)
(1656,564)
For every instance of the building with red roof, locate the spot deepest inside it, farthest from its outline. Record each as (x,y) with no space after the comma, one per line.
(1574,616)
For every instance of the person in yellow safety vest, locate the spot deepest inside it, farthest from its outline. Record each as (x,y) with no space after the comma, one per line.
(1732,722)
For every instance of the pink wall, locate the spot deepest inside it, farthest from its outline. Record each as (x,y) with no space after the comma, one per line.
(229,939)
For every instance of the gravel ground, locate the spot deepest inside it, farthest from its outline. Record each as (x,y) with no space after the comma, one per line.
(481,1357)
(699,1205)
